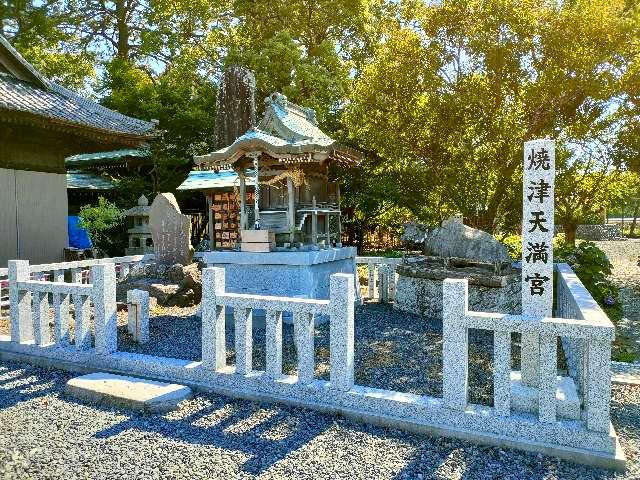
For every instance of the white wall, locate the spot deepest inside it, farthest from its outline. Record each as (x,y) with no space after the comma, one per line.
(33,215)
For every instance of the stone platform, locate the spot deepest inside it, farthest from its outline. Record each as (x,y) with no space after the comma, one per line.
(419,290)
(298,274)
(128,392)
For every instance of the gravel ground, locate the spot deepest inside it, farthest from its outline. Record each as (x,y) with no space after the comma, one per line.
(393,350)
(43,434)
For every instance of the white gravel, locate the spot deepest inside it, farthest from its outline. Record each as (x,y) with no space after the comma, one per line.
(44,435)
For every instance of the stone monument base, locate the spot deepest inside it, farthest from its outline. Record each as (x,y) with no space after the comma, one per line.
(418,293)
(298,274)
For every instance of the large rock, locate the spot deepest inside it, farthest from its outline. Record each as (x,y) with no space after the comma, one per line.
(170,230)
(454,239)
(189,292)
(423,296)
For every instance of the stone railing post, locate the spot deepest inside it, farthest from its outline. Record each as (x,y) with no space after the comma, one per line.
(454,343)
(214,352)
(598,385)
(19,302)
(138,315)
(383,283)
(342,297)
(103,296)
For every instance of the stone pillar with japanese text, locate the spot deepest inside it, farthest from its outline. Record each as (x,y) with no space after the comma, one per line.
(537,246)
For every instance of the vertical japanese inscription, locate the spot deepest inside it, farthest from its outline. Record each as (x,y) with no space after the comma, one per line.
(538,227)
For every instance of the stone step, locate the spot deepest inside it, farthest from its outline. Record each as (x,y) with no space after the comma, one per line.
(525,398)
(128,392)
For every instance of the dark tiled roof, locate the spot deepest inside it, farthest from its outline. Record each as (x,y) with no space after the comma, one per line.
(66,107)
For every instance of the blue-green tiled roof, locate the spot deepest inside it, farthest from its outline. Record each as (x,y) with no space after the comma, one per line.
(88,181)
(111,155)
(207,180)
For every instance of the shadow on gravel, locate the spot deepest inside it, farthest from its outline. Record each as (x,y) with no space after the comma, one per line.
(22,384)
(394,350)
(233,425)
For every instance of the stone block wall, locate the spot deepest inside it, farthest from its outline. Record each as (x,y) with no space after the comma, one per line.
(599,232)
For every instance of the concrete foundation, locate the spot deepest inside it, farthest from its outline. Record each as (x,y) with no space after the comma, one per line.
(292,274)
(423,296)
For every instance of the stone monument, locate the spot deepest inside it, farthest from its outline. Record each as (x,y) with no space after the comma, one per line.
(537,245)
(171,231)
(455,250)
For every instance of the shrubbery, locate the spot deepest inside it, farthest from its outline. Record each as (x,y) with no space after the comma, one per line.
(104,224)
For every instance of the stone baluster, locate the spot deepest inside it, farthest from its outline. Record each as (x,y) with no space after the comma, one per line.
(243,318)
(598,384)
(138,315)
(274,343)
(392,282)
(454,344)
(81,307)
(104,306)
(371,285)
(41,330)
(82,331)
(547,382)
(214,351)
(61,309)
(19,302)
(342,297)
(304,330)
(383,284)
(502,372)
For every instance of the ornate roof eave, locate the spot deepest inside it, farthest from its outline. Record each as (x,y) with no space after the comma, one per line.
(105,136)
(240,148)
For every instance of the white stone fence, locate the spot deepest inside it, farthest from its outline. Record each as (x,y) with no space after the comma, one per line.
(76,271)
(381,277)
(30,310)
(587,438)
(573,301)
(594,334)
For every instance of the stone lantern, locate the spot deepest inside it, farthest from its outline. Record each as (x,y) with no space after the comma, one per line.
(140,241)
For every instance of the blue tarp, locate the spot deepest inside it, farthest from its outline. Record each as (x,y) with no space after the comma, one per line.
(78,237)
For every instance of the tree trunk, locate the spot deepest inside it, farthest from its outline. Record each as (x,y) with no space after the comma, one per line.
(570,232)
(635,217)
(123,30)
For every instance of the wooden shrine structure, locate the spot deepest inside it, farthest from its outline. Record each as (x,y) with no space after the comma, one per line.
(288,157)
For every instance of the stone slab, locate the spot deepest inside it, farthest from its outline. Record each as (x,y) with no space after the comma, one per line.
(566,439)
(313,257)
(258,236)
(525,398)
(129,392)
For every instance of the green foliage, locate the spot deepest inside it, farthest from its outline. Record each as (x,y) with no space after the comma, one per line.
(440,96)
(43,33)
(104,223)
(592,267)
(514,246)
(455,88)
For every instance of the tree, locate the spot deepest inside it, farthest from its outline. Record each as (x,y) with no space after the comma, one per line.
(586,185)
(40,31)
(103,223)
(456,87)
